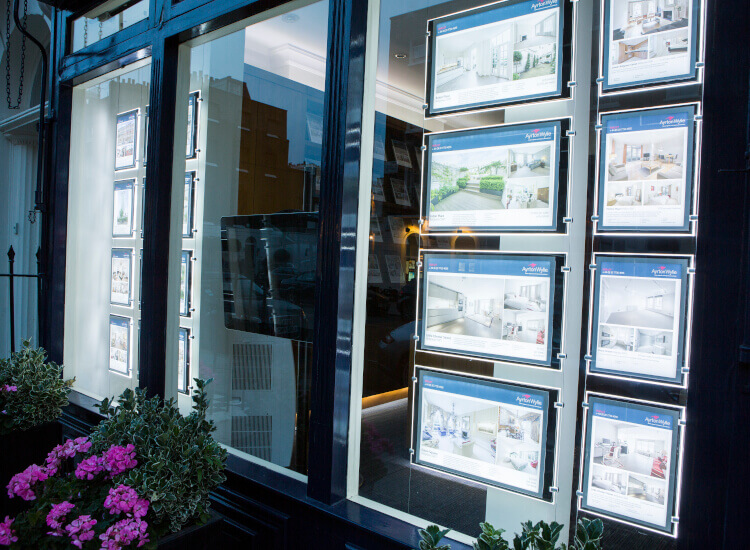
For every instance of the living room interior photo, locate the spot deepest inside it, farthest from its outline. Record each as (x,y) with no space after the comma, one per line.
(510,50)
(634,18)
(646,155)
(464,427)
(615,482)
(635,302)
(518,437)
(637,449)
(646,488)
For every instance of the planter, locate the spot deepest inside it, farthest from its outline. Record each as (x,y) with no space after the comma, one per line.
(21,449)
(194,536)
(492,192)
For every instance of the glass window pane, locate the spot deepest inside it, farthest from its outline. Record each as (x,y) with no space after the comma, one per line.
(106,20)
(246,239)
(105,187)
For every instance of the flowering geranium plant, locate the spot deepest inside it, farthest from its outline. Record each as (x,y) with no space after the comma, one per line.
(145,471)
(32,391)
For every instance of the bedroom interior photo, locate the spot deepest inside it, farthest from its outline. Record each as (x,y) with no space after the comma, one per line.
(624,194)
(617,338)
(503,309)
(615,482)
(463,427)
(637,449)
(646,155)
(486,56)
(634,18)
(635,302)
(518,437)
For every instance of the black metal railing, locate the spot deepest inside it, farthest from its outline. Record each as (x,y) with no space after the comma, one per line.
(11,302)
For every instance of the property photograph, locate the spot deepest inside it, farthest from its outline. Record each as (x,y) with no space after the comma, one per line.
(660,194)
(515,49)
(616,338)
(638,449)
(624,193)
(496,308)
(518,440)
(646,155)
(636,302)
(634,18)
(607,480)
(654,342)
(493,178)
(460,426)
(647,488)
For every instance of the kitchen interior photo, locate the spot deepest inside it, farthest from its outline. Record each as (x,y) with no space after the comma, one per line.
(633,18)
(518,437)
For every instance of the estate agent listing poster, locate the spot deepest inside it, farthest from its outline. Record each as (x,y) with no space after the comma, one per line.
(122,261)
(488,305)
(119,344)
(631,452)
(496,178)
(494,55)
(122,219)
(487,431)
(645,170)
(649,41)
(639,317)
(125,140)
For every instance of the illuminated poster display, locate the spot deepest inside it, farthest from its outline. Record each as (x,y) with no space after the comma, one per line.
(183,361)
(483,430)
(125,139)
(122,262)
(649,41)
(639,311)
(122,219)
(495,178)
(502,53)
(646,170)
(119,344)
(488,305)
(630,463)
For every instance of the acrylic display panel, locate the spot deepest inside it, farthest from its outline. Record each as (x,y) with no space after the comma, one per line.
(489,305)
(123,210)
(646,170)
(121,276)
(192,126)
(126,140)
(630,462)
(119,345)
(487,431)
(186,275)
(649,42)
(494,179)
(188,205)
(183,360)
(494,55)
(639,317)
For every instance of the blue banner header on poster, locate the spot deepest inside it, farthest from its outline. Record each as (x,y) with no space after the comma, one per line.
(651,270)
(515,136)
(495,393)
(633,415)
(500,266)
(493,16)
(673,118)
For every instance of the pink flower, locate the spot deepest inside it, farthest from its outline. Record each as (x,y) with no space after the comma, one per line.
(89,468)
(56,517)
(69,449)
(123,533)
(81,530)
(7,535)
(140,508)
(120,499)
(21,484)
(6,387)
(119,459)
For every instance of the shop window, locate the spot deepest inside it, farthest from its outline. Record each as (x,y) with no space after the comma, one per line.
(105,20)
(104,241)
(245,233)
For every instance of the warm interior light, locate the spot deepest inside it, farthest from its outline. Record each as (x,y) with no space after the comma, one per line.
(383,398)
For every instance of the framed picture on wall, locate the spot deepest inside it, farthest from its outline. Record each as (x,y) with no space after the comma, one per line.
(492,432)
(183,360)
(192,125)
(119,344)
(646,170)
(497,306)
(122,215)
(494,55)
(649,42)
(185,282)
(121,276)
(630,462)
(495,179)
(639,317)
(126,140)
(188,205)
(400,194)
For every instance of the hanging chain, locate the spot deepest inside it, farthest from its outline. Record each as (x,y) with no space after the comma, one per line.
(8,56)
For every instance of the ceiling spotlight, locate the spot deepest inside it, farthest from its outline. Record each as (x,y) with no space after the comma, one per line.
(290,18)
(400,56)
